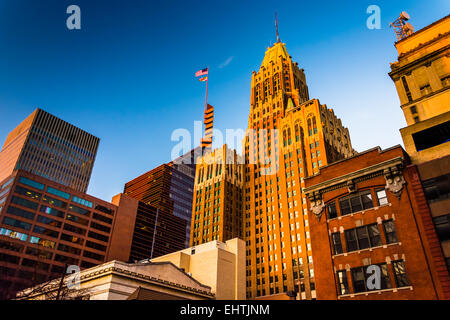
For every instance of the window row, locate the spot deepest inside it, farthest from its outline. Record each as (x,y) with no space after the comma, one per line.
(357,202)
(364,237)
(365,279)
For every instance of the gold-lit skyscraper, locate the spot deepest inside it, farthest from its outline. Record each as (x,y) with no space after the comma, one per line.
(217,204)
(289,137)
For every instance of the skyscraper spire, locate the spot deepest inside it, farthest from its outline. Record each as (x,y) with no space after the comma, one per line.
(276,25)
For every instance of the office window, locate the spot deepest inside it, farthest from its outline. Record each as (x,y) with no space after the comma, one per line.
(16,223)
(77,219)
(52,211)
(58,193)
(31,183)
(363,237)
(74,229)
(13,234)
(27,192)
(54,202)
(79,210)
(342,282)
(389,231)
(437,189)
(337,244)
(69,249)
(20,213)
(374,235)
(385,278)
(46,232)
(442,225)
(42,242)
(48,221)
(65,259)
(72,239)
(350,238)
(98,236)
(401,278)
(24,203)
(83,202)
(359,280)
(356,203)
(382,197)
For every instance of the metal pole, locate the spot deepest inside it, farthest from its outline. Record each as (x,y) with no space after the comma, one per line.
(154,233)
(61,282)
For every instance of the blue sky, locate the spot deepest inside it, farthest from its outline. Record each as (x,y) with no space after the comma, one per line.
(128,75)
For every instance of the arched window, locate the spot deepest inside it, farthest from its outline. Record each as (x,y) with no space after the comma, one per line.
(309,127)
(314,125)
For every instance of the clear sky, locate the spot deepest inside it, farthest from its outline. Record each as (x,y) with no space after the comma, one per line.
(128,75)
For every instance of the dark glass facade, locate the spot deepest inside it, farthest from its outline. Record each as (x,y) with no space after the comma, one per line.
(169,188)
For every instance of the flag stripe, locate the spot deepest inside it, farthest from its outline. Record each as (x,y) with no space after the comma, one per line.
(201,72)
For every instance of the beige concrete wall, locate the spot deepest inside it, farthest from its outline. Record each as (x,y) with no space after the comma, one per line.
(218,265)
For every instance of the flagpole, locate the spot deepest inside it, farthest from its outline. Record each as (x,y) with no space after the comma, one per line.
(206,97)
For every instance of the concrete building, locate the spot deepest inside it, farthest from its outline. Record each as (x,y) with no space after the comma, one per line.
(217,203)
(289,137)
(219,265)
(51,148)
(422,79)
(117,280)
(366,211)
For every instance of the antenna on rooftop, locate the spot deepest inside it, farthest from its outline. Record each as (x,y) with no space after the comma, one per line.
(402,28)
(276,25)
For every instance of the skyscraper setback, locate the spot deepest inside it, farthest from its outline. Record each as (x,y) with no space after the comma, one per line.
(279,259)
(51,148)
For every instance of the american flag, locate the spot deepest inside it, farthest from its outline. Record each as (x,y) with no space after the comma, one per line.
(203,72)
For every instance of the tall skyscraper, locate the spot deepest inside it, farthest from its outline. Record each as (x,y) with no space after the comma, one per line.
(422,79)
(217,204)
(279,259)
(51,148)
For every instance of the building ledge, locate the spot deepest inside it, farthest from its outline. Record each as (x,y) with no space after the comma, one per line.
(345,254)
(360,212)
(352,295)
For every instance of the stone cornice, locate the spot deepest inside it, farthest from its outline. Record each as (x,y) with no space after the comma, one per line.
(397,70)
(367,172)
(97,273)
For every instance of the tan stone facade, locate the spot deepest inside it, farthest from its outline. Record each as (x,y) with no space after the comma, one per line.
(217,201)
(117,280)
(422,79)
(216,264)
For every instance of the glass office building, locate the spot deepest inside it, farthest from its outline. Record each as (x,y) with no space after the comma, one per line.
(51,148)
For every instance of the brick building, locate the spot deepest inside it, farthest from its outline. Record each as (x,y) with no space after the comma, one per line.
(366,211)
